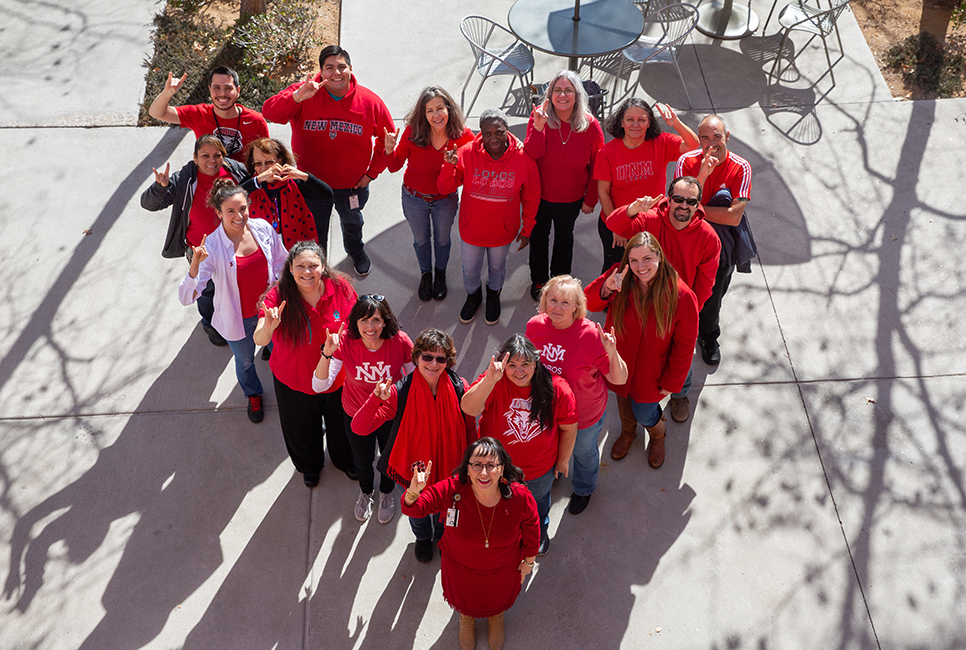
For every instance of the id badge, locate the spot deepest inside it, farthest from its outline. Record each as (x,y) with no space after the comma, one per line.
(452,517)
(353,201)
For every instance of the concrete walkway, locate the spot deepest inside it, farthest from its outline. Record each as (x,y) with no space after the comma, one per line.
(816,499)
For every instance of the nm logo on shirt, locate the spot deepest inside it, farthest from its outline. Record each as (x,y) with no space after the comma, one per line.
(634,170)
(373,373)
(519,426)
(552,353)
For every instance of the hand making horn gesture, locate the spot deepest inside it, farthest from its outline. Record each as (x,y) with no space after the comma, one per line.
(381,391)
(608,339)
(450,155)
(390,140)
(540,115)
(332,340)
(615,281)
(198,255)
(420,477)
(273,316)
(495,370)
(162,178)
(643,204)
(308,89)
(173,85)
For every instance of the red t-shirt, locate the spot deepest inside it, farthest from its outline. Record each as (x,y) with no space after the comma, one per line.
(634,173)
(294,364)
(577,355)
(565,159)
(252,276)
(363,368)
(733,174)
(203,220)
(506,417)
(424,162)
(234,133)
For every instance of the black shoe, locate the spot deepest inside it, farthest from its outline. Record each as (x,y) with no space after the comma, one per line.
(311,479)
(492,315)
(255,411)
(424,550)
(266,353)
(473,302)
(425,291)
(536,290)
(577,503)
(214,336)
(439,285)
(361,264)
(544,544)
(711,353)
(351,475)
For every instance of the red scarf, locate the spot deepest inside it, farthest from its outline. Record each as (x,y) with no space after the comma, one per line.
(293,221)
(432,428)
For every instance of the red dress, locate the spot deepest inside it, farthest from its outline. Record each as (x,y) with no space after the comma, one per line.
(480,581)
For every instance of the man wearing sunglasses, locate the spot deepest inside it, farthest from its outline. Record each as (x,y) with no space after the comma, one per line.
(689,242)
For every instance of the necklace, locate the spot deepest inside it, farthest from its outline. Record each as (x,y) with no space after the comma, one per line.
(562,141)
(486,532)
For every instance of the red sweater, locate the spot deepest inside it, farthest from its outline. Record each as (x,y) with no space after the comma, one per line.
(566,169)
(424,162)
(338,141)
(692,251)
(653,363)
(493,192)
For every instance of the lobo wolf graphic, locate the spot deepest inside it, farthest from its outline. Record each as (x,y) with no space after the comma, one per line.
(518,422)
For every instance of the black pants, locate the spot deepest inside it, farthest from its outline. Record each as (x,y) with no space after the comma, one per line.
(612,254)
(364,452)
(708,326)
(560,216)
(308,419)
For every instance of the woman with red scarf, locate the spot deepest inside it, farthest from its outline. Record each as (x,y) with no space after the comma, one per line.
(427,423)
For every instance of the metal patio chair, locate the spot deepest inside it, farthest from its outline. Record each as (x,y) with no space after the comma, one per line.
(664,30)
(814,20)
(490,60)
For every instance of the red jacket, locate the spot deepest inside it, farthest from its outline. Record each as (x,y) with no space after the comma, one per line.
(338,141)
(692,251)
(653,363)
(493,192)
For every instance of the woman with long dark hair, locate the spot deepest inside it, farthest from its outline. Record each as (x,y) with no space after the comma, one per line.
(655,318)
(492,542)
(310,299)
(533,413)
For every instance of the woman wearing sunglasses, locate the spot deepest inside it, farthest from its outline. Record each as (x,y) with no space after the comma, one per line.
(492,544)
(426,423)
(371,349)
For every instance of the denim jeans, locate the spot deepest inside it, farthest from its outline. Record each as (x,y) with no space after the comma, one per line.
(473,266)
(431,223)
(587,458)
(540,489)
(351,221)
(687,384)
(244,351)
(648,414)
(428,527)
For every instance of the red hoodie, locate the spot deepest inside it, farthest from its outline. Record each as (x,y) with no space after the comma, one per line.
(492,197)
(693,251)
(338,141)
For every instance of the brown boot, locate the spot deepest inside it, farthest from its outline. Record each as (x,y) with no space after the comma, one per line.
(467,632)
(628,428)
(655,449)
(680,409)
(497,633)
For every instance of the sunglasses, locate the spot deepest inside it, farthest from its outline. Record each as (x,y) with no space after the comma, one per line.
(375,297)
(677,198)
(429,358)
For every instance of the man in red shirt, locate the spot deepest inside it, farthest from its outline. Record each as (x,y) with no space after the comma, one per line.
(224,117)
(726,179)
(337,131)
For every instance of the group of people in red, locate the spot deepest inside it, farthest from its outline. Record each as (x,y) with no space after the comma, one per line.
(253,226)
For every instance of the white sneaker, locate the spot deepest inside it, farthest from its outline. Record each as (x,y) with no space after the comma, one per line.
(387,507)
(363,506)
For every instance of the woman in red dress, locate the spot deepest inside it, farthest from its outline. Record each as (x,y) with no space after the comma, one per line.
(492,542)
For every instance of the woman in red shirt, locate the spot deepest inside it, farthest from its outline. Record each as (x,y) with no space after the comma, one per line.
(309,299)
(655,317)
(492,542)
(533,413)
(434,126)
(371,349)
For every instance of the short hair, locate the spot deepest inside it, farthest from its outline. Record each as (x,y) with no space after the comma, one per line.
(222,190)
(330,51)
(579,117)
(493,114)
(491,447)
(615,123)
(689,180)
(211,139)
(270,146)
(434,339)
(564,284)
(419,126)
(223,69)
(366,307)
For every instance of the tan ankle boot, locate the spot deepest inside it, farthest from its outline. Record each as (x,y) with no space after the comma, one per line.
(628,428)
(497,633)
(467,632)
(655,449)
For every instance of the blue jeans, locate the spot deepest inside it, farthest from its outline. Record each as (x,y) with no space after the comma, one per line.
(648,414)
(426,527)
(351,221)
(244,351)
(540,489)
(687,384)
(587,458)
(473,266)
(422,215)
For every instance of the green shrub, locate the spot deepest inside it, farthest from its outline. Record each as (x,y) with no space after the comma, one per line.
(278,39)
(923,61)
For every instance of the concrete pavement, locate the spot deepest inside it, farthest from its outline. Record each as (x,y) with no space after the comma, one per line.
(816,498)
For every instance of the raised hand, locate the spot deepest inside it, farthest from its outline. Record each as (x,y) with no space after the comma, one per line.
(332,340)
(450,155)
(271,175)
(608,339)
(289,173)
(642,204)
(615,281)
(273,316)
(667,113)
(390,140)
(308,89)
(420,477)
(708,162)
(496,368)
(173,85)
(540,115)
(162,178)
(381,390)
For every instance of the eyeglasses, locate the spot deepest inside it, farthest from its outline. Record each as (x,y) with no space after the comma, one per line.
(490,467)
(564,91)
(372,296)
(429,358)
(677,198)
